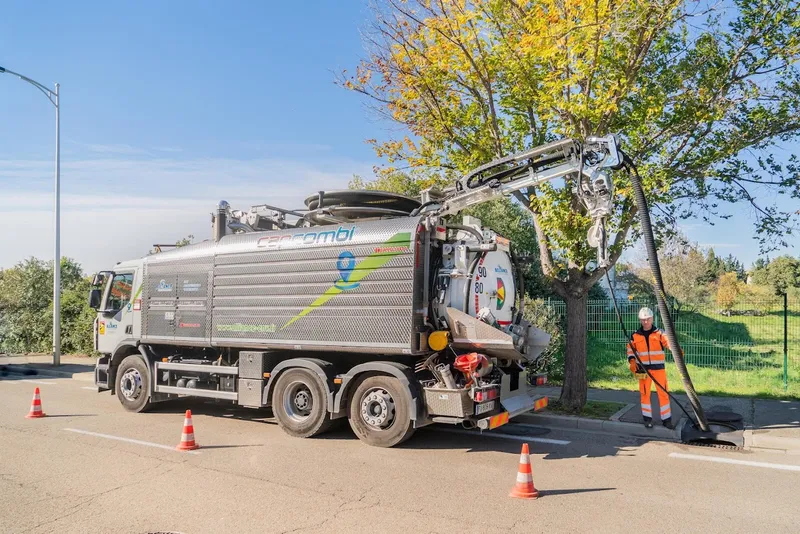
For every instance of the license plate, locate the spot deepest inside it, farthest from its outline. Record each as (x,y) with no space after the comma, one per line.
(485,407)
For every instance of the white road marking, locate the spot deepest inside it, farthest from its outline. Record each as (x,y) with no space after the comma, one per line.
(128,440)
(90,388)
(717,459)
(36,381)
(490,434)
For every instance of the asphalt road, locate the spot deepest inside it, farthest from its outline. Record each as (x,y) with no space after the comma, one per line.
(68,473)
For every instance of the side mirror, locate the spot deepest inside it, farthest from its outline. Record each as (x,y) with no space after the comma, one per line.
(94,298)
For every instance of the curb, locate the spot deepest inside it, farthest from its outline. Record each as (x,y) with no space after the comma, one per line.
(34,372)
(612,427)
(756,440)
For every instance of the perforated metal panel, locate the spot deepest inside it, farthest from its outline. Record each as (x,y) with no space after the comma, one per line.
(301,294)
(337,287)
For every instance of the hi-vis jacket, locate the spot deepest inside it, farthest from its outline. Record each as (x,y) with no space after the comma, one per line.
(649,346)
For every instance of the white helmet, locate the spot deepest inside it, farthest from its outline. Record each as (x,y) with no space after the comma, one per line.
(645,313)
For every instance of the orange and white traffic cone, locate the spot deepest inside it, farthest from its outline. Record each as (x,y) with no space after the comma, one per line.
(36,406)
(524,488)
(187,437)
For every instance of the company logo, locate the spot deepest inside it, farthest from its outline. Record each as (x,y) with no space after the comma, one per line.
(501,294)
(163,286)
(499,269)
(341,235)
(350,276)
(346,263)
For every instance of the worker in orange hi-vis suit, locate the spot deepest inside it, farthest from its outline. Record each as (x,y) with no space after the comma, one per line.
(649,343)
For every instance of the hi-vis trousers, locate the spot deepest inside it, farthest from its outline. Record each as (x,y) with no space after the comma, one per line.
(663,399)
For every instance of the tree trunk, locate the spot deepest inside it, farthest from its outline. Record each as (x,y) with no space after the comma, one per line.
(573,394)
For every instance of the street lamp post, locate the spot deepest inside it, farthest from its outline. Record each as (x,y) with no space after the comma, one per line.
(53,97)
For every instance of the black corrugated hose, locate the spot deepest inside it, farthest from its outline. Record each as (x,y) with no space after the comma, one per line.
(658,286)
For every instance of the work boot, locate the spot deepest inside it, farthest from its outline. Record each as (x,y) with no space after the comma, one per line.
(668,423)
(648,422)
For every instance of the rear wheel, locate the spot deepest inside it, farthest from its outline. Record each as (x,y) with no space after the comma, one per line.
(299,402)
(133,391)
(379,413)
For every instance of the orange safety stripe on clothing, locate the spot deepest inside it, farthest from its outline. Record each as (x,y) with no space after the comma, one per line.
(498,420)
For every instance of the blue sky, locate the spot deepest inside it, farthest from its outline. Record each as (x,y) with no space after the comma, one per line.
(168,107)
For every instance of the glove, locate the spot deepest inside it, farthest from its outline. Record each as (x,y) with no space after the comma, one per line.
(632,365)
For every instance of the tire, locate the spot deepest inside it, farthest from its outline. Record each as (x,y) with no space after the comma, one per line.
(379,413)
(133,388)
(300,403)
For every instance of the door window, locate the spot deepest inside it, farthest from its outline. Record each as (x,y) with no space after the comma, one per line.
(119,293)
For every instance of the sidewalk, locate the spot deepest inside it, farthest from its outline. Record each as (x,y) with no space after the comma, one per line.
(76,367)
(769,424)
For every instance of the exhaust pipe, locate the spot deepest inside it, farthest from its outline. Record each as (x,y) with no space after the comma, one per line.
(220,220)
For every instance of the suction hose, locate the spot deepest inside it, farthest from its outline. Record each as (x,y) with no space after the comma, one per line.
(658,286)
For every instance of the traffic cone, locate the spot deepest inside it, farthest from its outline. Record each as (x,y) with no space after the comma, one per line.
(524,488)
(36,406)
(187,437)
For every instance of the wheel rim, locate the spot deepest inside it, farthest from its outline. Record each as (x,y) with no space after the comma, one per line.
(131,384)
(298,402)
(377,409)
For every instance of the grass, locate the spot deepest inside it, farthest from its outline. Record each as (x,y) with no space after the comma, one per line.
(608,369)
(593,409)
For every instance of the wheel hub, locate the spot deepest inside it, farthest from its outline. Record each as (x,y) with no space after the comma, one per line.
(302,401)
(298,402)
(131,384)
(377,408)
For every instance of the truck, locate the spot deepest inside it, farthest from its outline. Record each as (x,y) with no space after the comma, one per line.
(365,305)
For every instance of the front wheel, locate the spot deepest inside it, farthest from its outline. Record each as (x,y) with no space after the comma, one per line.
(379,413)
(132,387)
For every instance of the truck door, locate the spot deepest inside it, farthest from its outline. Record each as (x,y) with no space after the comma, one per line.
(115,317)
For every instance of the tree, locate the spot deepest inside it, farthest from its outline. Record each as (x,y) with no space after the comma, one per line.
(690,90)
(728,290)
(684,270)
(731,264)
(26,308)
(783,273)
(714,268)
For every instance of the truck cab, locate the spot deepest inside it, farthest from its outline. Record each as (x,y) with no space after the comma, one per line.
(115,295)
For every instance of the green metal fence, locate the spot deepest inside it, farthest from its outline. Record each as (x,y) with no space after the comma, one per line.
(752,349)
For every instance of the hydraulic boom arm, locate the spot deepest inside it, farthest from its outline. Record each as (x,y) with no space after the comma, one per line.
(585,162)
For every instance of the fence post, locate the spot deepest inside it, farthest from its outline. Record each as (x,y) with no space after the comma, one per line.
(785,341)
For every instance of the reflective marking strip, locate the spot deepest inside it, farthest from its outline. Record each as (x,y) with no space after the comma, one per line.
(717,459)
(540,404)
(128,440)
(504,436)
(498,420)
(646,406)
